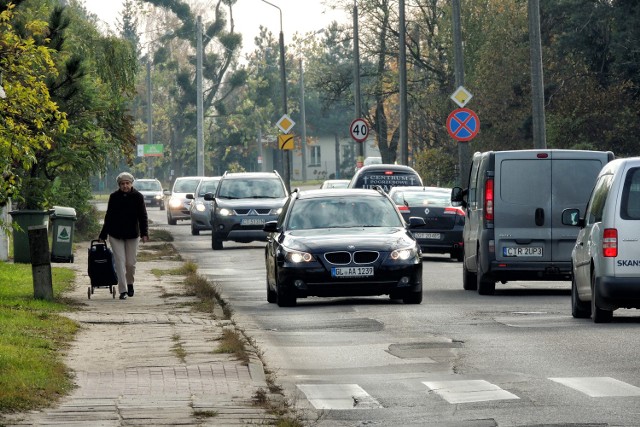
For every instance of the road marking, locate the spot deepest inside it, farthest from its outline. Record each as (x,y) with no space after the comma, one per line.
(599,386)
(466,391)
(338,396)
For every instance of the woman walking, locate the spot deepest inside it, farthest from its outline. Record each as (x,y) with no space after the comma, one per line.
(125,222)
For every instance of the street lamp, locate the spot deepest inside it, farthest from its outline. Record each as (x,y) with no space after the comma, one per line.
(283,76)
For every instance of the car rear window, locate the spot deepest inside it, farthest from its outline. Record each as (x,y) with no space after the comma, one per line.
(422,198)
(630,207)
(387,179)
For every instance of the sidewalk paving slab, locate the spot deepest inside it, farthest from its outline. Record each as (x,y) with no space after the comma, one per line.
(126,368)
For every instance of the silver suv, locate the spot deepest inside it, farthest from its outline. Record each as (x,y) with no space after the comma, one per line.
(606,255)
(151,189)
(242,204)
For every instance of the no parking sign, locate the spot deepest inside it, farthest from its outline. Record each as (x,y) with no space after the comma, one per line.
(463,124)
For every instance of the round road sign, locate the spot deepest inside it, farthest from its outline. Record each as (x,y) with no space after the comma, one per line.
(359,130)
(463,124)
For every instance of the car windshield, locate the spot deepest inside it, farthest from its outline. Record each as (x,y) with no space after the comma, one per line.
(340,212)
(422,198)
(263,188)
(208,187)
(186,185)
(147,186)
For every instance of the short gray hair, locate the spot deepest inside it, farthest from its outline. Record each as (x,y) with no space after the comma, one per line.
(124,176)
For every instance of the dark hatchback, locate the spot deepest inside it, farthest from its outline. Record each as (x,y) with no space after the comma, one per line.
(443,223)
(341,242)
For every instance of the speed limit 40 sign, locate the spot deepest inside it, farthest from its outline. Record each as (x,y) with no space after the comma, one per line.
(359,130)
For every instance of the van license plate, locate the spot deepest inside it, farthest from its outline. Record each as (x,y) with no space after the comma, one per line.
(522,251)
(352,271)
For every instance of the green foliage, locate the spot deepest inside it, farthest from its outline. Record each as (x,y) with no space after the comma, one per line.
(437,166)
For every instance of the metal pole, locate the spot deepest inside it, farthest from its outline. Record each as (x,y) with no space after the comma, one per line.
(149,114)
(303,117)
(404,126)
(199,107)
(283,76)
(356,74)
(464,152)
(537,83)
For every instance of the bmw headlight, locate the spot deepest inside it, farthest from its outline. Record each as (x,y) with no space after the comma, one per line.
(175,203)
(297,257)
(224,211)
(403,254)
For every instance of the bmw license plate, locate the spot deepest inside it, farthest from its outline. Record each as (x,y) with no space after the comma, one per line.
(352,271)
(252,221)
(433,236)
(518,251)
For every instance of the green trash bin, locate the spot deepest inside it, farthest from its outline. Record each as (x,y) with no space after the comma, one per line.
(25,219)
(62,223)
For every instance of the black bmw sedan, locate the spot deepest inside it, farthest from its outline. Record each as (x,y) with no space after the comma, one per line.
(341,242)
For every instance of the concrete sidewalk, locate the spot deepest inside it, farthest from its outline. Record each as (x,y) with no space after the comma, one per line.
(127,369)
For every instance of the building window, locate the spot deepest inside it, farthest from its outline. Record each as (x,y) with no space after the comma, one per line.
(314,155)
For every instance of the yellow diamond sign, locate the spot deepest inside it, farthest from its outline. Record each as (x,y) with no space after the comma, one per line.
(285,123)
(461,96)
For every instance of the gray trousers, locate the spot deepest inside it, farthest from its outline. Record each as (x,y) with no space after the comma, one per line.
(124,253)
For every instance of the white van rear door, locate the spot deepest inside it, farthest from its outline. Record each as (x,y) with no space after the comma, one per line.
(627,222)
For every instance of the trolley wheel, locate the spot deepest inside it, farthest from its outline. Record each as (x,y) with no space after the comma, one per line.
(89,292)
(113,292)
(92,290)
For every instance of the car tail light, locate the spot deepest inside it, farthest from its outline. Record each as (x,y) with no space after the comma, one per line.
(610,242)
(403,208)
(453,211)
(488,199)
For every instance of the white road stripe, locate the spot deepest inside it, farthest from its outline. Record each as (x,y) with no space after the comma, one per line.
(599,386)
(466,391)
(338,396)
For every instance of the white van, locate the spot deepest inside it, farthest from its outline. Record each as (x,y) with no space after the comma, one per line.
(513,203)
(606,255)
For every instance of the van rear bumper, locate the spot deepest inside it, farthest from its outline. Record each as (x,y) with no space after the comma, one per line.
(617,292)
(505,271)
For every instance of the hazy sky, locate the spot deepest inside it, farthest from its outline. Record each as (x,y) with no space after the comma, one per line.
(300,16)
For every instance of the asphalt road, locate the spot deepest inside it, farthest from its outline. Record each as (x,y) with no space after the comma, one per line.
(517,358)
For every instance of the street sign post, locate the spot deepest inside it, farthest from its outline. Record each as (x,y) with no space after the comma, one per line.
(463,124)
(359,130)
(285,142)
(285,124)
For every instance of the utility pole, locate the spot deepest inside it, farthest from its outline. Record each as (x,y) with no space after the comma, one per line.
(356,75)
(404,125)
(199,102)
(303,117)
(537,80)
(464,152)
(149,114)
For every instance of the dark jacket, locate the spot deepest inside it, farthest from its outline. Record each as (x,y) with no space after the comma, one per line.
(126,216)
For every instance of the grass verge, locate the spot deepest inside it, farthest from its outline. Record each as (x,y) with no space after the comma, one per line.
(33,337)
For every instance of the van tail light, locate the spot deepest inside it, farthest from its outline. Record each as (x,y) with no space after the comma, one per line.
(403,208)
(488,199)
(610,242)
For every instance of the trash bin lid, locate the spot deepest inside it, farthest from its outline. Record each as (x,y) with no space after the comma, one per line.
(63,212)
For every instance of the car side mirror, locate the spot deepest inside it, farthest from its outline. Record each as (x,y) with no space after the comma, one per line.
(271,226)
(190,196)
(572,217)
(166,192)
(208,196)
(457,197)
